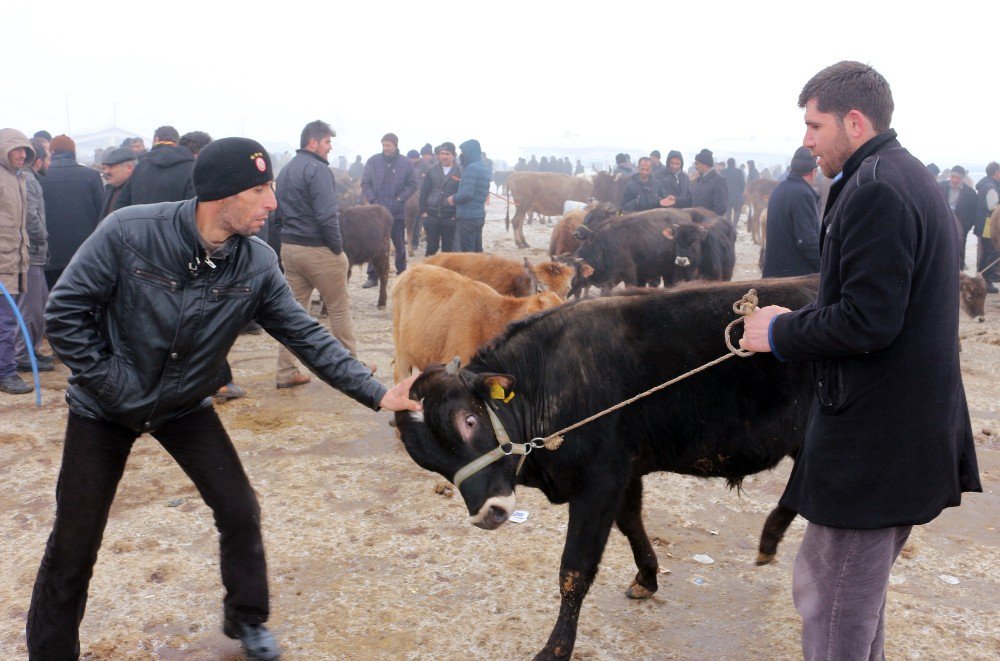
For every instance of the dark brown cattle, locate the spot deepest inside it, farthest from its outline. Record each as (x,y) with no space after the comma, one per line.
(705,251)
(365,230)
(608,189)
(972,295)
(755,198)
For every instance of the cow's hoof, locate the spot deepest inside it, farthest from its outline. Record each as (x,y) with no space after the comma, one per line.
(380,307)
(764,558)
(636,591)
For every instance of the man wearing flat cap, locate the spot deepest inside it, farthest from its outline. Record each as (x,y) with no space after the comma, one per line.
(117,166)
(792,246)
(144,316)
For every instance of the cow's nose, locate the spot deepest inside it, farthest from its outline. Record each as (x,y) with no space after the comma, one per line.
(497,515)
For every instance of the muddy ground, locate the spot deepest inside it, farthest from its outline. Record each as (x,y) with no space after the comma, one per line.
(366,561)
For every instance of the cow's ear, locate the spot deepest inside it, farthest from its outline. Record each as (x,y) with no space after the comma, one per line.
(496,386)
(586,269)
(669,233)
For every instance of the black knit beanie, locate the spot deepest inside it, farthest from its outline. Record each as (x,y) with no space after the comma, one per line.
(803,162)
(229,166)
(705,158)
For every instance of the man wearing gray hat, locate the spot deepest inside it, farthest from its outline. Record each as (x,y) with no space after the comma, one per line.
(792,245)
(117,165)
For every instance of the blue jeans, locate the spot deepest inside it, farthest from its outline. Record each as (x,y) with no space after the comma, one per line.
(469,232)
(8,332)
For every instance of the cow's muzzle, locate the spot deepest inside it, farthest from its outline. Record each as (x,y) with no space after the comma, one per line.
(494,512)
(682,261)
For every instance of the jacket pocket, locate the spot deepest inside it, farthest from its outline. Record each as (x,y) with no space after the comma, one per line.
(158,280)
(110,393)
(221,292)
(830,387)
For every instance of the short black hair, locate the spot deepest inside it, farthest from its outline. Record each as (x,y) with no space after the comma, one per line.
(644,158)
(316,130)
(43,134)
(992,169)
(731,161)
(847,86)
(195,141)
(166,133)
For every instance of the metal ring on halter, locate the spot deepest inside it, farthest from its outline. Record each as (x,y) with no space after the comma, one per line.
(537,442)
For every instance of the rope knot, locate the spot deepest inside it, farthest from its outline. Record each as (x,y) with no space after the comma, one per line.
(746,305)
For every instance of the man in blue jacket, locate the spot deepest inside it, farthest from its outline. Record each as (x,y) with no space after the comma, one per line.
(389,180)
(792,246)
(470,200)
(144,317)
(888,444)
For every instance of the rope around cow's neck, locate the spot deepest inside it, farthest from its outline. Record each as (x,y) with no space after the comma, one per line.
(744,307)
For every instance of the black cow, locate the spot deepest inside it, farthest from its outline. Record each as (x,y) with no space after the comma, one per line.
(365,230)
(734,419)
(705,250)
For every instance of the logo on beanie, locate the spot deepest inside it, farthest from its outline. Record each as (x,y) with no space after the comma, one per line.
(258,160)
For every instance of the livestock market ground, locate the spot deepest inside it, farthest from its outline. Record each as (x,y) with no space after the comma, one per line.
(366,561)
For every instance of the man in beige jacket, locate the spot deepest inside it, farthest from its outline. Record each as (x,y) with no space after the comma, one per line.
(15,150)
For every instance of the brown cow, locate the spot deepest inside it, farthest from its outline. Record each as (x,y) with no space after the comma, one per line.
(562,241)
(438,314)
(365,230)
(545,193)
(972,295)
(608,188)
(755,198)
(508,276)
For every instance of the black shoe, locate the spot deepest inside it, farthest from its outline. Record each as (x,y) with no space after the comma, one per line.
(257,641)
(14,385)
(45,363)
(369,283)
(991,288)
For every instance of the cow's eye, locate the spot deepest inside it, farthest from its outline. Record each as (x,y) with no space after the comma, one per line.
(471,422)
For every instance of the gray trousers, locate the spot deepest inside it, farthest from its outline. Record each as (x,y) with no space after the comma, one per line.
(32,306)
(839,585)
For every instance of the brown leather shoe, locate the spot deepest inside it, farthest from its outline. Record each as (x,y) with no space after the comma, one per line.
(298,379)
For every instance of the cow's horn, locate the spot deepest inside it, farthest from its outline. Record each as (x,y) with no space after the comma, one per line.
(452,367)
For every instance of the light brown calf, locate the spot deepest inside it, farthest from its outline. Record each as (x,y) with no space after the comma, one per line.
(508,276)
(438,314)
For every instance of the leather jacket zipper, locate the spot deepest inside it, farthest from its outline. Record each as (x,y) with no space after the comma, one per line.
(157,278)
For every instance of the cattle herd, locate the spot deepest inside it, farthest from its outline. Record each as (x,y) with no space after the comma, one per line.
(500,345)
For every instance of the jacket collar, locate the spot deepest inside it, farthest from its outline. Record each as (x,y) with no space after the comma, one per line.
(62,160)
(306,152)
(881,141)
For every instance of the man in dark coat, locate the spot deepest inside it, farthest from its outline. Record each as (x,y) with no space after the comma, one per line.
(658,167)
(32,300)
(888,444)
(964,204)
(709,190)
(735,183)
(676,182)
(988,190)
(117,166)
(644,191)
(752,174)
(74,196)
(389,180)
(357,169)
(792,246)
(163,175)
(439,217)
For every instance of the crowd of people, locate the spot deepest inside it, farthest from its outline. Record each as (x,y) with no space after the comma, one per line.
(144,307)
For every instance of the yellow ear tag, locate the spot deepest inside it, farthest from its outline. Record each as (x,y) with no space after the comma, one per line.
(509,397)
(496,391)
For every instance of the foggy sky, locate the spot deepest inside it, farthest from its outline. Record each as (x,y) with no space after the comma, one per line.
(515,75)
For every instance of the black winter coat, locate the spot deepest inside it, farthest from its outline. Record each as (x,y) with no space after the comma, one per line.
(711,192)
(308,212)
(144,324)
(641,196)
(73,196)
(735,183)
(888,442)
(966,207)
(792,246)
(164,175)
(436,188)
(679,186)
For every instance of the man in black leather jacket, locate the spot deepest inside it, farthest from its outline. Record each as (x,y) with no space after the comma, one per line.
(144,317)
